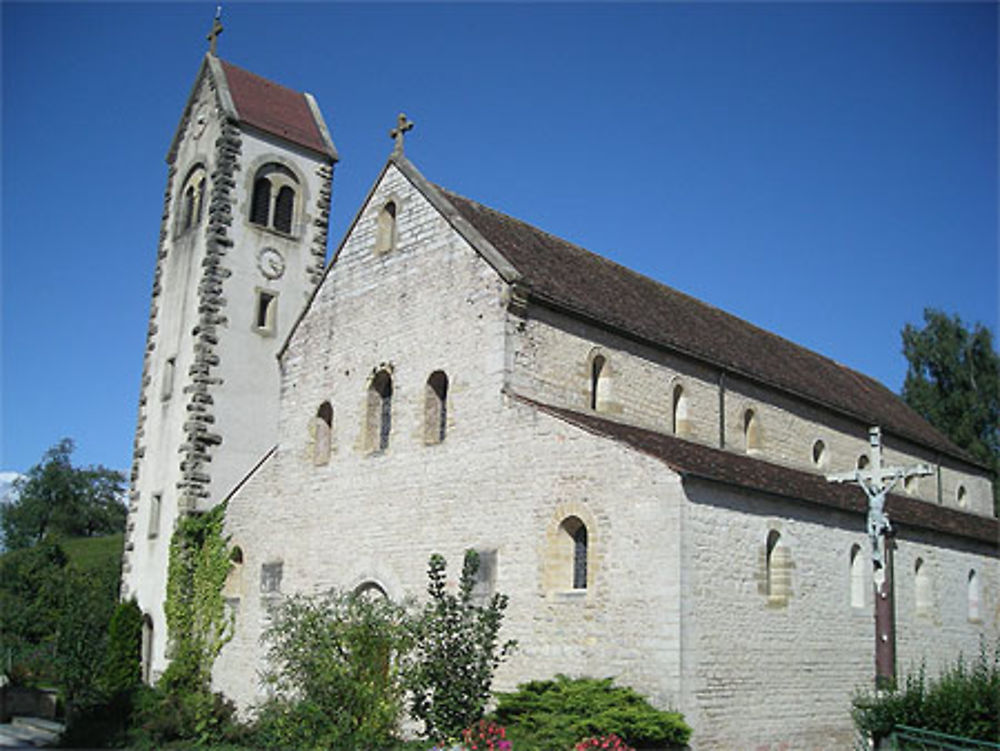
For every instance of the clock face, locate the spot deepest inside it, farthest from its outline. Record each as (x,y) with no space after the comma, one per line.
(271,263)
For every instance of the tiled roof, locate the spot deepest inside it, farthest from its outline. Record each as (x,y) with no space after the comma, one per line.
(274,108)
(559,273)
(695,460)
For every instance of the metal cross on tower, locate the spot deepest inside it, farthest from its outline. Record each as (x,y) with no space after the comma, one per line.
(213,35)
(877,482)
(397,133)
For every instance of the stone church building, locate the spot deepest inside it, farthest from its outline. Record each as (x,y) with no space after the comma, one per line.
(643,474)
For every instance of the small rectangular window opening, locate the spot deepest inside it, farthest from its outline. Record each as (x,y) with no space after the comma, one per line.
(154,515)
(168,378)
(266,304)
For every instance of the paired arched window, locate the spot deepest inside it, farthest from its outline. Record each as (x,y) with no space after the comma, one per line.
(379,411)
(322,433)
(751,431)
(679,424)
(575,543)
(857,572)
(436,407)
(385,229)
(192,200)
(272,202)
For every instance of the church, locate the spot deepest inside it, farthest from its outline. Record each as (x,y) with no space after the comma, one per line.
(645,475)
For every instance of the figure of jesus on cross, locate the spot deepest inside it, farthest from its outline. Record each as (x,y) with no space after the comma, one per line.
(877,482)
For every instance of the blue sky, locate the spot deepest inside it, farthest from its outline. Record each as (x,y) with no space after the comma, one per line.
(824,171)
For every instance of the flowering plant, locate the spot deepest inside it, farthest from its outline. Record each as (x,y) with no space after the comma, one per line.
(610,742)
(483,736)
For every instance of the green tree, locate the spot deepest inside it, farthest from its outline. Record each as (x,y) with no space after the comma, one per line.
(953,381)
(56,497)
(334,673)
(457,652)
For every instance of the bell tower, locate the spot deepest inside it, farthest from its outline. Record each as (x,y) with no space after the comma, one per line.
(242,244)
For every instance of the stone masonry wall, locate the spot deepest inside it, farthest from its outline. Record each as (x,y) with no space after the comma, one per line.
(550,362)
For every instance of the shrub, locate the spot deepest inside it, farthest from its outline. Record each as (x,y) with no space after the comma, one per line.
(610,742)
(334,673)
(963,701)
(456,653)
(123,660)
(553,715)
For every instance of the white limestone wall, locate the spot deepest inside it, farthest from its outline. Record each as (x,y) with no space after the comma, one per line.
(550,361)
(503,479)
(767,675)
(246,405)
(243,401)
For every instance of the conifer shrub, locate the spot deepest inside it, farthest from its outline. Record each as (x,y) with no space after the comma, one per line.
(963,701)
(554,715)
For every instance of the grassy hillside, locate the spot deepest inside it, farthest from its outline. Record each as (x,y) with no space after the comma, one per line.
(92,552)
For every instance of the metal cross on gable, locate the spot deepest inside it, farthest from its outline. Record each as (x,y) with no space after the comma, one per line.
(402,126)
(213,35)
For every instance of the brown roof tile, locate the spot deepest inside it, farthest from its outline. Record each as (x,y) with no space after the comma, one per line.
(567,276)
(273,108)
(693,459)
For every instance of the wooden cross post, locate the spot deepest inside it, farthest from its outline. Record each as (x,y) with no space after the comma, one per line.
(402,126)
(877,482)
(213,35)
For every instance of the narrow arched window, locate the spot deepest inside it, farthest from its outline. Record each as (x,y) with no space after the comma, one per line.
(863,461)
(679,412)
(188,209)
(574,532)
(819,453)
(199,200)
(385,231)
(283,209)
(857,572)
(751,430)
(962,496)
(323,429)
(922,586)
(772,584)
(380,411)
(436,407)
(260,205)
(597,377)
(147,648)
(974,595)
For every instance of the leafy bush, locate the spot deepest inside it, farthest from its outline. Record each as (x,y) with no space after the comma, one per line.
(182,719)
(553,715)
(334,673)
(123,660)
(457,651)
(963,701)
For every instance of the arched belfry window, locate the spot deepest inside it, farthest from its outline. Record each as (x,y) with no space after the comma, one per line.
(283,206)
(751,430)
(436,407)
(272,199)
(598,382)
(380,411)
(192,198)
(260,205)
(322,429)
(576,547)
(385,230)
(679,412)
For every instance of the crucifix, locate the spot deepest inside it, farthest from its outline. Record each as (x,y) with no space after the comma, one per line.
(877,482)
(213,35)
(397,133)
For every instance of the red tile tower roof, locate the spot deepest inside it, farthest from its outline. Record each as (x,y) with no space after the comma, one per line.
(274,108)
